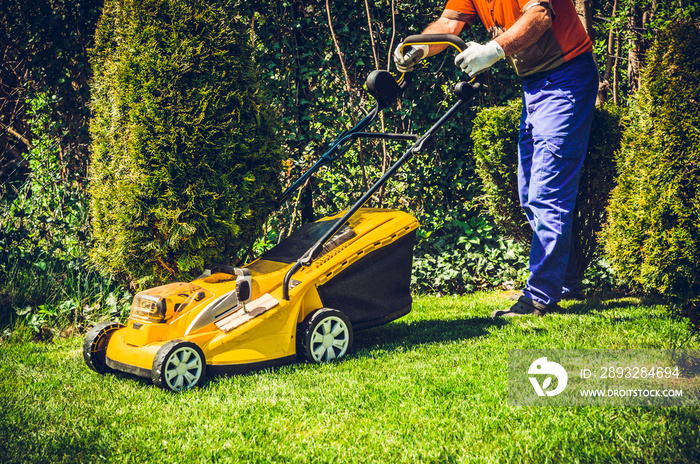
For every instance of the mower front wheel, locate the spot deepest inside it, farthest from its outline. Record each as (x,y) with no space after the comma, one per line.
(178,365)
(95,346)
(325,335)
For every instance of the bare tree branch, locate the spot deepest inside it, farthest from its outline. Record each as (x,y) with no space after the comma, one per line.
(371,35)
(348,85)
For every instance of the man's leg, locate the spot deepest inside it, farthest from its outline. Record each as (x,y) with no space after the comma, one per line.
(552,198)
(571,285)
(558,109)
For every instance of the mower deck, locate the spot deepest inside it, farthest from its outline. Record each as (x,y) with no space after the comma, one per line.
(364,272)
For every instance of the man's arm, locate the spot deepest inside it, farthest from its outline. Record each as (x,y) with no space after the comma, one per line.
(443,26)
(526,31)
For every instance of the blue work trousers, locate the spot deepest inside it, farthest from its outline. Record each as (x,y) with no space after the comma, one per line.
(554,129)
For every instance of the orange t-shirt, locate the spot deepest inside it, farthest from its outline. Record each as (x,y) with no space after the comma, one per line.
(565,40)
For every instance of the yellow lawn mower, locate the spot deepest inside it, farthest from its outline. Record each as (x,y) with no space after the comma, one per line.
(301,300)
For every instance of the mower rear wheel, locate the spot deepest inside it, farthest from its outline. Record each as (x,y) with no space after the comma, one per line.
(95,346)
(178,365)
(325,335)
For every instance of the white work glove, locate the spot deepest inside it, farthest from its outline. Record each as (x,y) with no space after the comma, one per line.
(476,57)
(406,63)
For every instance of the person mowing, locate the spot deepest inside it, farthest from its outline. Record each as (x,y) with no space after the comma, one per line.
(549,48)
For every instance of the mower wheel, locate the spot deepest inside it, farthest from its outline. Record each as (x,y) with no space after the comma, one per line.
(95,346)
(325,335)
(178,365)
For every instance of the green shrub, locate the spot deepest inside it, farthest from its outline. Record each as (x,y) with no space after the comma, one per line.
(43,221)
(652,236)
(597,181)
(185,156)
(495,137)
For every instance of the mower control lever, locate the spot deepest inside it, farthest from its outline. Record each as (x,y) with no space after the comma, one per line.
(435,39)
(427,39)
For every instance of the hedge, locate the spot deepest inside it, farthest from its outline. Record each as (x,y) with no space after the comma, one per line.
(185,156)
(652,237)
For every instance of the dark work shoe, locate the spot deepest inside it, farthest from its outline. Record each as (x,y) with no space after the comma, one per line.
(525,307)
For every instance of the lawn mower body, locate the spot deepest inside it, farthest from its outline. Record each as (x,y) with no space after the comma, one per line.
(238,318)
(300,300)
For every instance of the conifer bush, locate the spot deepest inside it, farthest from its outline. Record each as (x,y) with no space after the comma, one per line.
(495,136)
(652,237)
(185,156)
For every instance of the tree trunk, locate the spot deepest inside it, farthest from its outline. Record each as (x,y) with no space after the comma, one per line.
(636,50)
(616,75)
(584,8)
(609,60)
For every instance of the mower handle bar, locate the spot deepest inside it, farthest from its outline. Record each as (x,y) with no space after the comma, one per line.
(465,91)
(341,144)
(435,39)
(427,39)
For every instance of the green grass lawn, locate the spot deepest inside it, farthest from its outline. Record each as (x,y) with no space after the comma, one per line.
(430,387)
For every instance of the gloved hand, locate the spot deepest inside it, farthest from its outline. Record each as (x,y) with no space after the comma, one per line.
(476,57)
(406,63)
